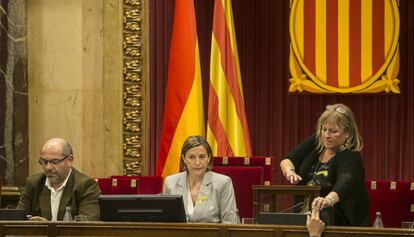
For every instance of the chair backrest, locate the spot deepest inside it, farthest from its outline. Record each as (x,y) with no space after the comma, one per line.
(245,172)
(130,185)
(394,199)
(145,184)
(116,186)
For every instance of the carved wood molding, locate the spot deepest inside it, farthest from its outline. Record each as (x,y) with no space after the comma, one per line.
(133,86)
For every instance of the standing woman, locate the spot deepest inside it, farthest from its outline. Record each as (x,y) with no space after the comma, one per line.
(331,159)
(208,196)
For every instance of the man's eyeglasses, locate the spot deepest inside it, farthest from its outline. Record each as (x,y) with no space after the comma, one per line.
(44,162)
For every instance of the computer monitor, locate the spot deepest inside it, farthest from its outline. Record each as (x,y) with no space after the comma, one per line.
(144,208)
(12,214)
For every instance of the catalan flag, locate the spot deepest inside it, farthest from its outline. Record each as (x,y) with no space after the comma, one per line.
(227,129)
(183,113)
(345,46)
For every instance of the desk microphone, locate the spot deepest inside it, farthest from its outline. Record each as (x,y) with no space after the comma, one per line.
(292,207)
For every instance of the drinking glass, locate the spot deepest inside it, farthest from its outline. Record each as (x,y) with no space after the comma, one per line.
(407,224)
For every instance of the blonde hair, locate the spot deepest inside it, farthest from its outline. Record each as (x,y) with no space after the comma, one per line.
(343,116)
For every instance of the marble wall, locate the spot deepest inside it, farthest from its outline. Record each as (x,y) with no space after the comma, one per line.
(75,81)
(13,93)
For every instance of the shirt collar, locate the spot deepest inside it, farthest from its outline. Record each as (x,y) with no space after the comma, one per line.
(49,185)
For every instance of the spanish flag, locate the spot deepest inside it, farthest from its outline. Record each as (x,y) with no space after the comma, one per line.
(183,112)
(227,130)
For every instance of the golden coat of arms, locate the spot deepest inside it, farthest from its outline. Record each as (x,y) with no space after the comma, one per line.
(344,46)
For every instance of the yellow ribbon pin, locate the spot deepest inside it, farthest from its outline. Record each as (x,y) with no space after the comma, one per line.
(202,199)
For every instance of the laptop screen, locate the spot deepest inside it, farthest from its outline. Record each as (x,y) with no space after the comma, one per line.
(281,218)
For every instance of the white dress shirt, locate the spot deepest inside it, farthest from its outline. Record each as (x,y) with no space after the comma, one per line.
(56,196)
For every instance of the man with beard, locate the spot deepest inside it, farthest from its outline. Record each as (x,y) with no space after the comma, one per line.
(46,195)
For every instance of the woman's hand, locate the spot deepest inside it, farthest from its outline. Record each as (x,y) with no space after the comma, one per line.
(292,177)
(320,203)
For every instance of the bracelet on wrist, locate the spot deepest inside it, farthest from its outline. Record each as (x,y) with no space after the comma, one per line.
(331,200)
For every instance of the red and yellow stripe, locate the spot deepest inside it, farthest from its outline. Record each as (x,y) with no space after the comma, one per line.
(227,129)
(183,112)
(344,43)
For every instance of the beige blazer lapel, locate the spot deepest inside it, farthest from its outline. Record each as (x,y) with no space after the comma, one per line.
(44,202)
(183,189)
(204,195)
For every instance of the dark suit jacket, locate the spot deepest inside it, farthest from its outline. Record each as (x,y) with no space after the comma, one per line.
(80,193)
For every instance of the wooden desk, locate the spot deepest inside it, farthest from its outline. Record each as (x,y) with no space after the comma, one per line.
(274,190)
(131,229)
